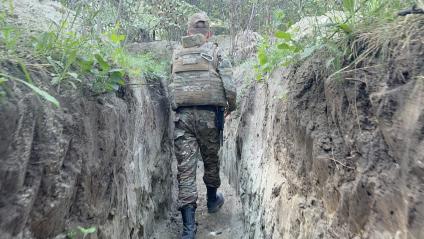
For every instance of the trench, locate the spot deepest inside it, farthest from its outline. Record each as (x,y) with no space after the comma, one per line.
(303,156)
(312,157)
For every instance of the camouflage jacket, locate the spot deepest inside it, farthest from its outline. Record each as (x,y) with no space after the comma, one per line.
(225,71)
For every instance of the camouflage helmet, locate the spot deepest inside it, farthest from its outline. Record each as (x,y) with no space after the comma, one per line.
(198,17)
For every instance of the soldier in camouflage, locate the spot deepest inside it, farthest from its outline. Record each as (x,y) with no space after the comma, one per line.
(201,90)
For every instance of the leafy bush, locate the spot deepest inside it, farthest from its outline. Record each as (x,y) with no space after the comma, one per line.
(73,59)
(280,53)
(285,48)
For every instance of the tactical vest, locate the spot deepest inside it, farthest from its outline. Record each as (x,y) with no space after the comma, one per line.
(195,80)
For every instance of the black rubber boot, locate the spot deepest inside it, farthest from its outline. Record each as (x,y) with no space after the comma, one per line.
(189,222)
(215,200)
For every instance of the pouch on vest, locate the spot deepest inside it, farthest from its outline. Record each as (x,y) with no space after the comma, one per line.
(195,78)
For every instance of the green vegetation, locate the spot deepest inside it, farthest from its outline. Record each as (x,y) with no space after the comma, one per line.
(73,59)
(84,232)
(87,48)
(9,37)
(333,31)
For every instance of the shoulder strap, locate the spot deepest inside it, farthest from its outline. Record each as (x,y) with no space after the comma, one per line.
(216,56)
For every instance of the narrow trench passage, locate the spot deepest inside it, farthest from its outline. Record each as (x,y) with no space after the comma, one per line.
(225,224)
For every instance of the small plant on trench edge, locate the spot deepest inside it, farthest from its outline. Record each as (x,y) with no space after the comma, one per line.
(73,233)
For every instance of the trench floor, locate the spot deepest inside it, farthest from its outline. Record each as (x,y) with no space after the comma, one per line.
(225,224)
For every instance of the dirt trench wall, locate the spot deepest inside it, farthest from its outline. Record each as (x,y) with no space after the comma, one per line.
(97,161)
(313,157)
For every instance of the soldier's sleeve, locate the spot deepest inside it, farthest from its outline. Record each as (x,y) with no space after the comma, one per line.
(226,73)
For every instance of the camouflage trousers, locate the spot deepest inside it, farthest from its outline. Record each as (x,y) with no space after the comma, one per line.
(195,137)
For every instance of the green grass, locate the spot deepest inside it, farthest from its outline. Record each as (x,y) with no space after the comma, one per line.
(72,59)
(360,15)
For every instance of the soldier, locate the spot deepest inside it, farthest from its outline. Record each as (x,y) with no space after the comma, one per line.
(201,90)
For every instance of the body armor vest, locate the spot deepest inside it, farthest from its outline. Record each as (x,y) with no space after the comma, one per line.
(195,80)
